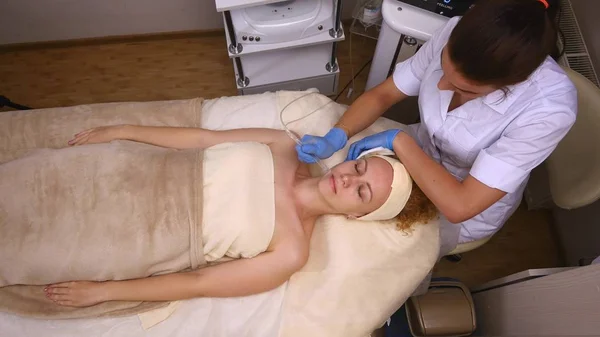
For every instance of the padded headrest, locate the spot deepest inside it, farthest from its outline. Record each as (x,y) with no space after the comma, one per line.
(401,187)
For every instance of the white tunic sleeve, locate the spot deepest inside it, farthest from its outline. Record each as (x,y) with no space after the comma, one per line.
(408,74)
(527,141)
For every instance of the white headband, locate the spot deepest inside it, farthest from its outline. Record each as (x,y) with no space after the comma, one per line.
(401,187)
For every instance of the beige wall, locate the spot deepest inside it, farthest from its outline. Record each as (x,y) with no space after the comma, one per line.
(51,20)
(587,13)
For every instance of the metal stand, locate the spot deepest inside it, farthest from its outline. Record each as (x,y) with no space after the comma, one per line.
(336,31)
(236,51)
(242,80)
(404,40)
(332,66)
(235,48)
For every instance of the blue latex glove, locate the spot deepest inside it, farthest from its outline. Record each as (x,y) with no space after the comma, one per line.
(383,139)
(321,147)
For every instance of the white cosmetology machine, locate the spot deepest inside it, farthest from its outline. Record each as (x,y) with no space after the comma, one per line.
(283,44)
(407,24)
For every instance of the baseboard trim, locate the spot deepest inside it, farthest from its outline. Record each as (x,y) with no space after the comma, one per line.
(187,34)
(112,40)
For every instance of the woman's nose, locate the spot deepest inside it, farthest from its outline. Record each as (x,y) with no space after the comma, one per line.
(348,179)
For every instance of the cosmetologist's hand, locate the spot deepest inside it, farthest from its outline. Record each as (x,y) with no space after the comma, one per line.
(382,139)
(321,147)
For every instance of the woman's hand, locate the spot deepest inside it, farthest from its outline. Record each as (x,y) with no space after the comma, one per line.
(102,134)
(76,293)
(382,139)
(321,147)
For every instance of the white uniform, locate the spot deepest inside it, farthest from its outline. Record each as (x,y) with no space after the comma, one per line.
(496,139)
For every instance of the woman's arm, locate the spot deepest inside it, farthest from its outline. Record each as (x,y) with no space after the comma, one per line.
(500,168)
(235,278)
(175,137)
(405,81)
(370,106)
(457,201)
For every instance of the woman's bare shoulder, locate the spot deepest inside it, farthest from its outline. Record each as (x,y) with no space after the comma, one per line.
(289,232)
(285,157)
(282,142)
(291,246)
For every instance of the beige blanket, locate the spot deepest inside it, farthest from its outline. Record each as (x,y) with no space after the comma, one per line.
(96,212)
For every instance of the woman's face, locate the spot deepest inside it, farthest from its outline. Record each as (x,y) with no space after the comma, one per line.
(357,187)
(453,80)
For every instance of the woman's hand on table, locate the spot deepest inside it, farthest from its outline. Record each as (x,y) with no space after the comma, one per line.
(382,139)
(102,134)
(76,293)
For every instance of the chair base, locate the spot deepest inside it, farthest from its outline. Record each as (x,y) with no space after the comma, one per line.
(454,258)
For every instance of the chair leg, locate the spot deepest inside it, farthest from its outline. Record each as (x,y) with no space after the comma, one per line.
(454,258)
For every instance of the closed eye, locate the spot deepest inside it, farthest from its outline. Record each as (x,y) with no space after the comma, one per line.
(363,190)
(360,189)
(361,166)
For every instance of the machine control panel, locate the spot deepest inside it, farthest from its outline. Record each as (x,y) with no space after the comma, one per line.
(448,8)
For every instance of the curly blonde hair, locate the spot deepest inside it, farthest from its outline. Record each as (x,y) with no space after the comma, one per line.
(418,210)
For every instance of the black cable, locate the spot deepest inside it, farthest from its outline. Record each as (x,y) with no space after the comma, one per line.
(555,12)
(561,33)
(4,101)
(353,78)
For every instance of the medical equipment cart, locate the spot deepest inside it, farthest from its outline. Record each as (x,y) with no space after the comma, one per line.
(283,45)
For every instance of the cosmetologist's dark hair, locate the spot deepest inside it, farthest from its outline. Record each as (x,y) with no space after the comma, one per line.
(501,42)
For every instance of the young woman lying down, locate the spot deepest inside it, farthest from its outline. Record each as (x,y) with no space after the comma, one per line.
(246,170)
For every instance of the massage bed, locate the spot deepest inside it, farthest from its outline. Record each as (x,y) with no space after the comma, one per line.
(357,275)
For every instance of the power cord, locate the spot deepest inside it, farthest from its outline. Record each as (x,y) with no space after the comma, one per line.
(555,12)
(561,33)
(4,101)
(353,78)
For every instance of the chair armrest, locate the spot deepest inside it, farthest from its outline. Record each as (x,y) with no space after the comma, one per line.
(574,167)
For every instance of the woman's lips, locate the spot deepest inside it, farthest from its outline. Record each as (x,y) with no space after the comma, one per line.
(332,182)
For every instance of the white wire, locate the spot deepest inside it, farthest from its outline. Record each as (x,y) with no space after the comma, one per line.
(351,65)
(292,135)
